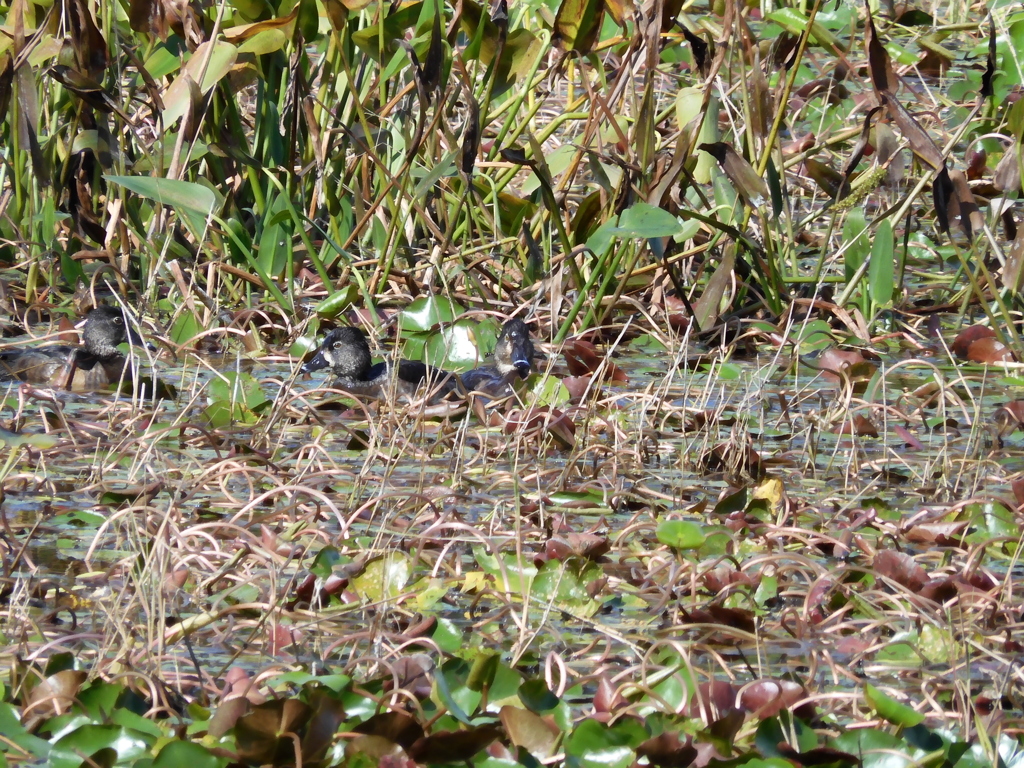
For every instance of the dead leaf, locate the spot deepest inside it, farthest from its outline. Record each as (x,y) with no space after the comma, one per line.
(968,336)
(582,358)
(859,425)
(766,698)
(453,746)
(989,350)
(901,568)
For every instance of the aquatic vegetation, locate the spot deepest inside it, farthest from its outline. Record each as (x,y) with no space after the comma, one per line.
(755,500)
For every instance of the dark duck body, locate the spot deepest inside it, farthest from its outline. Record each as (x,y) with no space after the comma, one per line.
(97,363)
(346,352)
(513,359)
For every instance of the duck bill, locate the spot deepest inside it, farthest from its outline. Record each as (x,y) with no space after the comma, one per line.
(318,362)
(524,368)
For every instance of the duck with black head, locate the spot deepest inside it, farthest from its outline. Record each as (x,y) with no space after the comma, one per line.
(96,364)
(346,353)
(513,360)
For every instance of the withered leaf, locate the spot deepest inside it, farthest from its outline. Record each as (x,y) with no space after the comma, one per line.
(433,64)
(825,176)
(745,179)
(699,47)
(471,134)
(582,358)
(990,350)
(883,78)
(921,144)
(817,756)
(577,25)
(990,61)
(962,206)
(667,751)
(901,568)
(968,336)
(542,420)
(530,731)
(942,195)
(1006,177)
(1009,416)
(453,746)
(89,43)
(766,698)
(263,734)
(859,425)
(396,727)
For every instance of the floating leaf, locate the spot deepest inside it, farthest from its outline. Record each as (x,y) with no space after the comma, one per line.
(890,709)
(680,534)
(428,311)
(383,578)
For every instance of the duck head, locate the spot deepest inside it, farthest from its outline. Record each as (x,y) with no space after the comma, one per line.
(105,328)
(514,351)
(345,351)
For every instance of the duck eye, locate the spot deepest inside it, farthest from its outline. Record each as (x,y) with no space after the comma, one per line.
(337,345)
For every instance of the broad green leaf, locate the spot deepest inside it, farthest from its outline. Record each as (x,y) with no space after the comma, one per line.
(563,584)
(88,739)
(890,709)
(187,753)
(452,691)
(185,195)
(162,62)
(427,311)
(680,534)
(38,440)
(813,335)
(795,22)
(11,727)
(184,329)
(236,387)
(877,748)
(688,106)
(772,733)
(640,220)
(395,26)
(549,390)
(536,695)
(447,635)
(519,574)
(383,578)
(275,248)
(338,302)
(856,243)
(267,41)
(707,166)
(454,347)
(221,58)
(595,745)
(325,561)
(881,270)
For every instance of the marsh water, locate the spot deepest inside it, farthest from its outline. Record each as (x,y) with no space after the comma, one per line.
(524,538)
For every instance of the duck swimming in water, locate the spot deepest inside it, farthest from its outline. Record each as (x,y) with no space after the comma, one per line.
(346,352)
(97,363)
(513,359)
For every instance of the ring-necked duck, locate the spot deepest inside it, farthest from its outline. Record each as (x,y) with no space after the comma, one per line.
(346,352)
(95,364)
(513,358)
